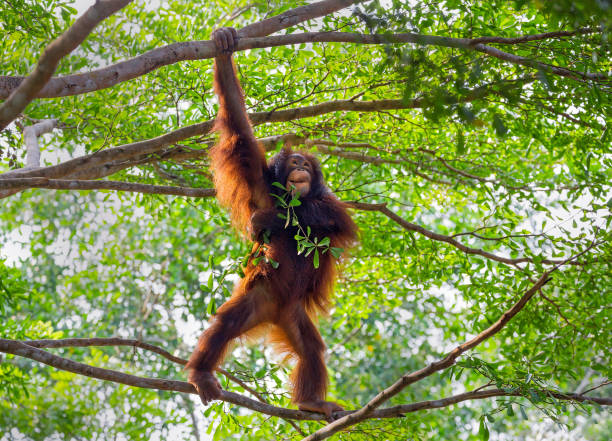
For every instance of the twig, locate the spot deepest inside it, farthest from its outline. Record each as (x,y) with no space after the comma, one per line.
(409,226)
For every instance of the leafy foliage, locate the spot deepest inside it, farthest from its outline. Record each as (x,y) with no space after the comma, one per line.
(506,158)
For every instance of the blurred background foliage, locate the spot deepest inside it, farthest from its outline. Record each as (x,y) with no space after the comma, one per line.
(522,170)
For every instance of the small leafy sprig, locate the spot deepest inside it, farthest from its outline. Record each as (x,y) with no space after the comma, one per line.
(260,253)
(305,244)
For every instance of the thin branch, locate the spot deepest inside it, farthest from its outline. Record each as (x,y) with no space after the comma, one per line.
(536,37)
(66,184)
(558,308)
(7,184)
(29,88)
(398,411)
(409,226)
(28,350)
(198,50)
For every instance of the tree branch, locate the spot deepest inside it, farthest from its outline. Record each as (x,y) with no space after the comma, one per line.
(29,349)
(434,367)
(155,145)
(30,139)
(536,37)
(149,61)
(66,184)
(438,365)
(409,226)
(116,341)
(29,88)
(198,50)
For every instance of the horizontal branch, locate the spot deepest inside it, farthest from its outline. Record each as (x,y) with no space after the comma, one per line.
(536,37)
(198,50)
(20,348)
(156,145)
(103,78)
(67,184)
(117,341)
(29,88)
(402,409)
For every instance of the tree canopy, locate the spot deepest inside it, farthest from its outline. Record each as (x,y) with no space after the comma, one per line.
(471,140)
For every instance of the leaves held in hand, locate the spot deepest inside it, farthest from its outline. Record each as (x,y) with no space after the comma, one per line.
(305,242)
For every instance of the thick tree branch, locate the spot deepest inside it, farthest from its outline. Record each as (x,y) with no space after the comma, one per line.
(192,50)
(295,16)
(155,145)
(116,341)
(29,349)
(29,88)
(30,139)
(197,50)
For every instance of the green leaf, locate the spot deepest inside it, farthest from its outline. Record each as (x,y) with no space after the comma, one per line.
(336,252)
(273,262)
(483,431)
(460,143)
(500,127)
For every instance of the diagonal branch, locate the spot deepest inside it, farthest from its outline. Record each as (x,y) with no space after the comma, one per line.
(438,365)
(409,226)
(28,89)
